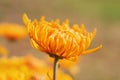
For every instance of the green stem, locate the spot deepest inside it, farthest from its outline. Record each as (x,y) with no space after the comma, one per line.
(55,68)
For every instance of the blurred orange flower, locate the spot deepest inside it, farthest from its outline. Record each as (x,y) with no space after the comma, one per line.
(59,40)
(66,65)
(27,68)
(12,31)
(3,50)
(63,63)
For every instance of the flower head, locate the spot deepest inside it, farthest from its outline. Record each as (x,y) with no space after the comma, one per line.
(59,40)
(12,31)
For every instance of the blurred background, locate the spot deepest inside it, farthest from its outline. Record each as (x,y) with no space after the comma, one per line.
(101,14)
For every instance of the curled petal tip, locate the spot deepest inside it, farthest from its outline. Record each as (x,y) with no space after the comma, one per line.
(92,50)
(26,20)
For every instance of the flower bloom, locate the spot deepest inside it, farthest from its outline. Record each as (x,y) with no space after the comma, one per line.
(26,68)
(12,31)
(59,40)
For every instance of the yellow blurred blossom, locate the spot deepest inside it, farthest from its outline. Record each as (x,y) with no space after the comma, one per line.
(27,68)
(60,40)
(66,65)
(3,50)
(12,31)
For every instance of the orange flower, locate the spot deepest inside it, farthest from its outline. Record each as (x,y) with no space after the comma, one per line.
(27,68)
(12,31)
(59,40)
